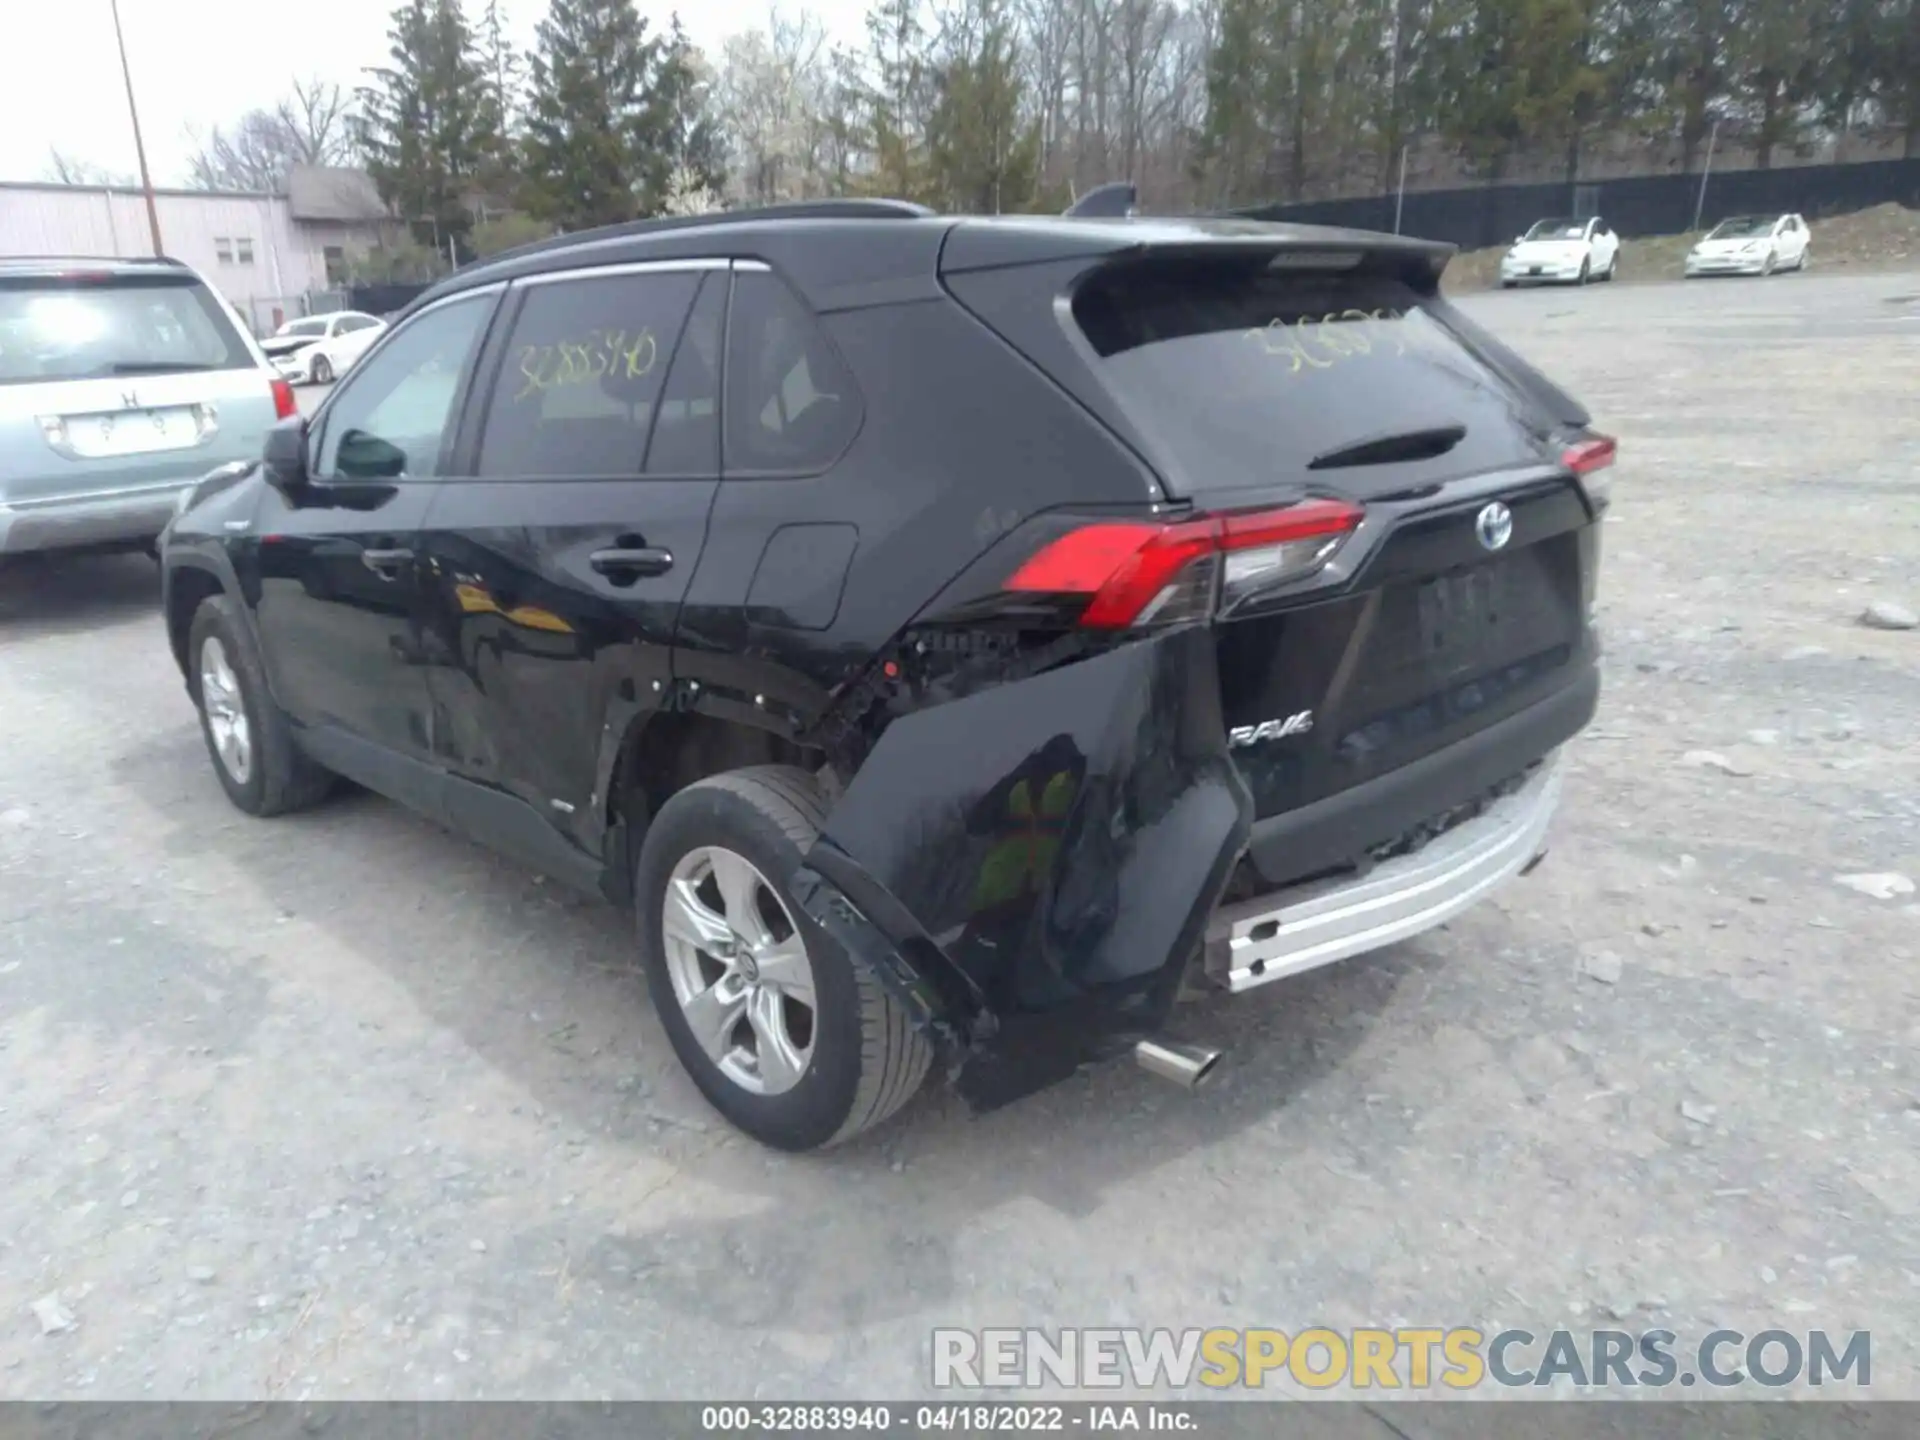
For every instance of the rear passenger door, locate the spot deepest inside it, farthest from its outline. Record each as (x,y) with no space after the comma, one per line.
(786,527)
(558,556)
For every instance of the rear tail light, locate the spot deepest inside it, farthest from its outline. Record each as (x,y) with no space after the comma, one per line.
(283,401)
(1588,458)
(1591,454)
(1137,573)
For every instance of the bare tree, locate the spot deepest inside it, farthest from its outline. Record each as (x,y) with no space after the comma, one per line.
(772,94)
(64,169)
(317,123)
(311,126)
(251,154)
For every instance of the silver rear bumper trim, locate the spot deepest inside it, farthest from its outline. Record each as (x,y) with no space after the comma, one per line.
(1272,936)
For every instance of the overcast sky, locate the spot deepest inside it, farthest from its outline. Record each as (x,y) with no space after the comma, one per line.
(197,63)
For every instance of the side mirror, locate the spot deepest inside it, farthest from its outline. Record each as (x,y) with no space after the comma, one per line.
(1519,239)
(284,463)
(368,457)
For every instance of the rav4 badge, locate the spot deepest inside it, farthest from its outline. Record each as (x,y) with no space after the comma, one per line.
(1298,724)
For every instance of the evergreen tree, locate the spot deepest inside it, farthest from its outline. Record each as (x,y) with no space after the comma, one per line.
(1773,68)
(606,108)
(1899,51)
(504,71)
(503,66)
(1511,78)
(694,150)
(896,100)
(983,153)
(1233,144)
(424,125)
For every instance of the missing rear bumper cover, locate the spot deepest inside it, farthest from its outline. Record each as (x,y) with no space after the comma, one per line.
(1254,941)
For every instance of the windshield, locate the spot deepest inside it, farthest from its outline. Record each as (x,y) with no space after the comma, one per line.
(304,327)
(1741,226)
(1246,375)
(86,327)
(1558,230)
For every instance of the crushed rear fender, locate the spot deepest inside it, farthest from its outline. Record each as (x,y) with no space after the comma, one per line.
(1031,867)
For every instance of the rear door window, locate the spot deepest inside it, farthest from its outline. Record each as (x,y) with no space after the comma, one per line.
(583,372)
(1245,376)
(791,406)
(104,326)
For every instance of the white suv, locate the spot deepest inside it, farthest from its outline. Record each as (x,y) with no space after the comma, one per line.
(1562,251)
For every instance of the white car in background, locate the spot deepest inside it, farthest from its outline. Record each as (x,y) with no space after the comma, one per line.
(320,348)
(1751,245)
(1562,251)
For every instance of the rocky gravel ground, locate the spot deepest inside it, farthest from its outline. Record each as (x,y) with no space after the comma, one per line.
(339,1106)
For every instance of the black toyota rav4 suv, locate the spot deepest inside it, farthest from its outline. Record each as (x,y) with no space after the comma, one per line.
(957,639)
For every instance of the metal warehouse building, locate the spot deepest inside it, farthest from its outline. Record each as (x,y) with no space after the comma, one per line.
(273,256)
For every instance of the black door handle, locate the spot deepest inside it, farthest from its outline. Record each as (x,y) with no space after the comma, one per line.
(631,564)
(385,563)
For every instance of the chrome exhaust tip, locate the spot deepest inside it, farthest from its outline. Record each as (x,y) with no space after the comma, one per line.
(1188,1066)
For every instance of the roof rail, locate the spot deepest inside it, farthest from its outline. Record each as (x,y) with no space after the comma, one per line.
(663,224)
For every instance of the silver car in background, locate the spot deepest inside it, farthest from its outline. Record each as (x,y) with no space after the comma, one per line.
(122,382)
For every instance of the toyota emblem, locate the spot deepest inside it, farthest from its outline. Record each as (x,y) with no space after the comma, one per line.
(1494,526)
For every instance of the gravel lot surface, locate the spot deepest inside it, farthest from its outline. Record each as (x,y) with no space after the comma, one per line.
(338,1105)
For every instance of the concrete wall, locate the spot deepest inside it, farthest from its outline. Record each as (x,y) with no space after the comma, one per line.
(281,261)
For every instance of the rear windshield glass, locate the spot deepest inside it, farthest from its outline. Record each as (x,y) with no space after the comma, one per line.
(1246,376)
(94,328)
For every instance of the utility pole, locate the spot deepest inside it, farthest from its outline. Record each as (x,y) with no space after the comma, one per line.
(1700,205)
(139,145)
(1400,195)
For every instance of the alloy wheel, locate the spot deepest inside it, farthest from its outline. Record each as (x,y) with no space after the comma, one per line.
(226,712)
(739,969)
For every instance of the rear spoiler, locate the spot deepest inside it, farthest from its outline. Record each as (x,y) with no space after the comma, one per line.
(994,244)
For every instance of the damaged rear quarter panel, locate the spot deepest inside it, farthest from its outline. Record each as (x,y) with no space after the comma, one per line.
(1061,840)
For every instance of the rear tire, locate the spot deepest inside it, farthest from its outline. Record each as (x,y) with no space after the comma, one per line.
(862,1057)
(248,739)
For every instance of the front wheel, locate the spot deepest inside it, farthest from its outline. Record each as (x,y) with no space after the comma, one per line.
(1586,272)
(786,1035)
(1766,266)
(321,371)
(247,737)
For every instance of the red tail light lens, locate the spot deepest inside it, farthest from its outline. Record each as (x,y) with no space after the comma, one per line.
(1595,453)
(1140,573)
(283,401)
